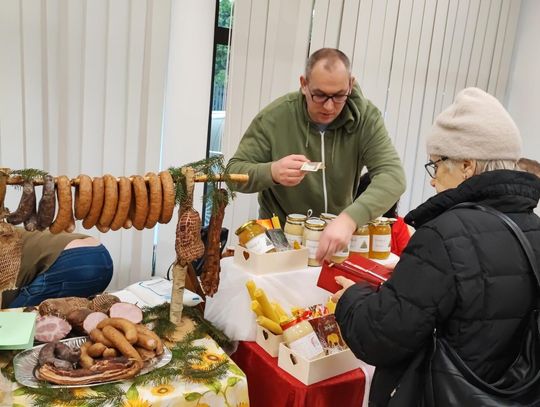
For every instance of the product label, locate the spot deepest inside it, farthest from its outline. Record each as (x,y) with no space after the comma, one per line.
(307,346)
(360,243)
(342,253)
(260,244)
(312,246)
(293,238)
(381,243)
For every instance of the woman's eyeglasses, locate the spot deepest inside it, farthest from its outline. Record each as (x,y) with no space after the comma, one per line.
(431,166)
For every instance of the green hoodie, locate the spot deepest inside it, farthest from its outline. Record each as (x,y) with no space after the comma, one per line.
(356,138)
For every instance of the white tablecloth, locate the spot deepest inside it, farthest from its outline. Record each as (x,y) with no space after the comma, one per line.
(230,308)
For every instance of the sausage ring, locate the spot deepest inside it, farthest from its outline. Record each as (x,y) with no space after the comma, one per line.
(83,196)
(140,211)
(110,202)
(98,194)
(65,208)
(167,206)
(155,198)
(124,202)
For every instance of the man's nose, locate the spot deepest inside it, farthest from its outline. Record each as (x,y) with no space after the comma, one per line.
(329,104)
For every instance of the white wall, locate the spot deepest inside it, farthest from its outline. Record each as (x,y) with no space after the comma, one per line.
(523,95)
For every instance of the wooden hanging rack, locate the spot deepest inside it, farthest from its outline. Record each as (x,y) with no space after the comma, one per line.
(18,180)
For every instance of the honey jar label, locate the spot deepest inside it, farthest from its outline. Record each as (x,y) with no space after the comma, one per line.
(260,244)
(312,246)
(360,243)
(381,243)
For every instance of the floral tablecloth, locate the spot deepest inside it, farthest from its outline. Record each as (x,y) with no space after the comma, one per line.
(230,391)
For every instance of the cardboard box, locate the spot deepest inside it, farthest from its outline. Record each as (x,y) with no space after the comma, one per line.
(316,370)
(268,341)
(276,262)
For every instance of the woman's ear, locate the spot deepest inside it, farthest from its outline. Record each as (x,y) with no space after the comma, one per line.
(468,168)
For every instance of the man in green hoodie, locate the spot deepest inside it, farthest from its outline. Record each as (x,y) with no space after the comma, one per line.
(328,121)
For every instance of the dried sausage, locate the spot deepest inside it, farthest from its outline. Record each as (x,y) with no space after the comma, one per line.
(47,204)
(65,205)
(155,197)
(167,205)
(83,196)
(98,194)
(124,202)
(24,210)
(140,210)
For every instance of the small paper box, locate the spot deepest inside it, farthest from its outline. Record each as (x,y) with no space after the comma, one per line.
(276,262)
(268,341)
(316,370)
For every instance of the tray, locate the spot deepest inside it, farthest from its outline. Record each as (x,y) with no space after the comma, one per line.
(25,362)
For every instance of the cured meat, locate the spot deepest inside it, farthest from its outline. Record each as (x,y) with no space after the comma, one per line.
(211,268)
(101,371)
(61,307)
(127,311)
(50,328)
(92,321)
(27,202)
(47,204)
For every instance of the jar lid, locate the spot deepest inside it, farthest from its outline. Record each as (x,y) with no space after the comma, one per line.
(296,218)
(244,226)
(328,216)
(315,224)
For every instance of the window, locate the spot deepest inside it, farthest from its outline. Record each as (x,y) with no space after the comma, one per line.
(222,30)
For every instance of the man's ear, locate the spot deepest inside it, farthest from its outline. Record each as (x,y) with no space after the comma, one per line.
(303,84)
(353,81)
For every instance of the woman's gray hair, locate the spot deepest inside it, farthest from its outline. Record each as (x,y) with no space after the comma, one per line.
(486,165)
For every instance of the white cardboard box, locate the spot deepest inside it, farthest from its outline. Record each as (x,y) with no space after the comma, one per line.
(276,262)
(313,371)
(268,341)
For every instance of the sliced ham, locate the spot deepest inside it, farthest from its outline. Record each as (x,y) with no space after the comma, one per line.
(127,311)
(92,320)
(50,328)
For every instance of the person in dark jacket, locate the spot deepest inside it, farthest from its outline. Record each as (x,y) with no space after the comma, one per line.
(463,272)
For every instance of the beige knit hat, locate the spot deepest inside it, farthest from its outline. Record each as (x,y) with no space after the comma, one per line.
(476,126)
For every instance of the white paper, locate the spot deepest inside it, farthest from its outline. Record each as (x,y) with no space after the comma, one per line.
(312,166)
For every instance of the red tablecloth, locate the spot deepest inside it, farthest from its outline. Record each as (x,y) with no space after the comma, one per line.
(271,386)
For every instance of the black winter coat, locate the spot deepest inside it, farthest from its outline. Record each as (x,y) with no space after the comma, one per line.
(463,272)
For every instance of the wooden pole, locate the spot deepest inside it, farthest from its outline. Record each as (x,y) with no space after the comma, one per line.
(180,266)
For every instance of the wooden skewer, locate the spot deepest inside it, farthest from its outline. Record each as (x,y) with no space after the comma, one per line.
(18,180)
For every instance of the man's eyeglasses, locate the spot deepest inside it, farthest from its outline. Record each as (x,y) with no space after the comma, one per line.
(322,99)
(431,166)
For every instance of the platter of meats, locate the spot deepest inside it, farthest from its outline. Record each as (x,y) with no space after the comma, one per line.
(67,363)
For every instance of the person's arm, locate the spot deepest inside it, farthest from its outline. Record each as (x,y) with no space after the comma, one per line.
(384,165)
(390,326)
(253,157)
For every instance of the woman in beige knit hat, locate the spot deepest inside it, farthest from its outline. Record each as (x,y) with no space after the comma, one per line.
(463,272)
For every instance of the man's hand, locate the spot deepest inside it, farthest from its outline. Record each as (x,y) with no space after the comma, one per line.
(345,283)
(287,170)
(335,237)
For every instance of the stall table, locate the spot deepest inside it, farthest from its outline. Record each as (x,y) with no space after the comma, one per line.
(230,391)
(270,386)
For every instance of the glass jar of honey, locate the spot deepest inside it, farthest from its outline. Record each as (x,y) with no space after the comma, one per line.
(294,228)
(341,256)
(380,238)
(313,229)
(253,237)
(298,335)
(360,241)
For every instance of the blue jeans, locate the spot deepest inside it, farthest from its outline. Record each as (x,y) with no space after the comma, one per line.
(78,272)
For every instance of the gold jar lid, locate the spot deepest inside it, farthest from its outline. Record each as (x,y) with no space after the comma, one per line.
(315,224)
(382,221)
(245,226)
(296,218)
(328,216)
